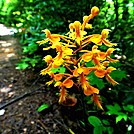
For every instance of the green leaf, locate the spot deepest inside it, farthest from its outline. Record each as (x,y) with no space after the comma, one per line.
(32,48)
(132,119)
(129,108)
(89,64)
(105,122)
(61,69)
(98,130)
(33,62)
(25,49)
(108,130)
(113,109)
(115,64)
(95,121)
(42,107)
(94,80)
(120,117)
(22,65)
(118,75)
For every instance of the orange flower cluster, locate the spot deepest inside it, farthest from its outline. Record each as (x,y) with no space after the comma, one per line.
(71,55)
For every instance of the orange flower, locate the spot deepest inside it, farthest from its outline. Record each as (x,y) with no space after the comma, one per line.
(78,71)
(67,54)
(58,77)
(112,81)
(87,56)
(68,83)
(99,39)
(108,77)
(52,37)
(95,11)
(78,34)
(77,27)
(101,73)
(86,20)
(88,89)
(96,100)
(48,59)
(63,94)
(95,55)
(46,70)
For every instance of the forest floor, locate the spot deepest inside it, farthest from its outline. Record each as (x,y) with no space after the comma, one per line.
(21,117)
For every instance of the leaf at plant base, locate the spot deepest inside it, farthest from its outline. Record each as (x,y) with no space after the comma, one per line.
(113,109)
(120,117)
(95,121)
(98,130)
(42,107)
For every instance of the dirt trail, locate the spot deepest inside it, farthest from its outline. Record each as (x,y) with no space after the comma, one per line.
(20,117)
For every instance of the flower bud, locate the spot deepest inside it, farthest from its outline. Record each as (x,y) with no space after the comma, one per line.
(48,58)
(95,11)
(71,26)
(47,32)
(105,33)
(85,18)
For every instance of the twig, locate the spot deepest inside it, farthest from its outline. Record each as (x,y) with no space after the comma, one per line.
(65,126)
(19,98)
(43,125)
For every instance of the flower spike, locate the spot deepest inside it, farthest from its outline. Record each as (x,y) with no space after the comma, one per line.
(70,68)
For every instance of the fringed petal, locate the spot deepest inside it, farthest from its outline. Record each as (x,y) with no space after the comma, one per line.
(87,56)
(63,94)
(68,83)
(96,100)
(112,81)
(100,73)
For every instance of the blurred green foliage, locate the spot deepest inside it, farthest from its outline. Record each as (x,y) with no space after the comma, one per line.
(30,17)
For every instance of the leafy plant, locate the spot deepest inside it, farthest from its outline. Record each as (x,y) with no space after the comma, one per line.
(80,64)
(43,107)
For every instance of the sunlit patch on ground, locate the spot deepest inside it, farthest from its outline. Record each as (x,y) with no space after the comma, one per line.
(6,46)
(5,89)
(7,54)
(6,31)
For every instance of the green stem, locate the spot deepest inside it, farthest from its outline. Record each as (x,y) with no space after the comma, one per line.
(84,110)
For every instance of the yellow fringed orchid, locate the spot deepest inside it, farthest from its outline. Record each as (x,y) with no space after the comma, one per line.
(71,56)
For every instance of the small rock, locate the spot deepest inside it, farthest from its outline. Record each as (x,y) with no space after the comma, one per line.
(2,112)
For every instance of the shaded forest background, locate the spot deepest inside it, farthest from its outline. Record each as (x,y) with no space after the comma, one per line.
(30,17)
